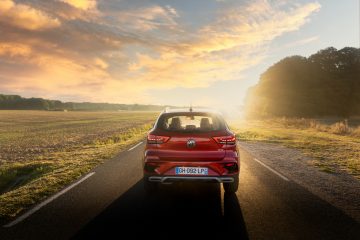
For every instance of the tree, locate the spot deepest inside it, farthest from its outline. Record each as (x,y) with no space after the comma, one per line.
(325,84)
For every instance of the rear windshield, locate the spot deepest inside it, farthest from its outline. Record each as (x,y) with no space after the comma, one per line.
(190,122)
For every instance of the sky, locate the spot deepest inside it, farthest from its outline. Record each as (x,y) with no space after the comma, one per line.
(168,52)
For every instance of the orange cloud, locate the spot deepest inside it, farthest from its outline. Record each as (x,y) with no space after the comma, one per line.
(81,4)
(24,16)
(119,59)
(14,49)
(101,63)
(221,50)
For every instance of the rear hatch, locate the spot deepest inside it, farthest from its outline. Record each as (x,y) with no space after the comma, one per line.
(189,136)
(190,148)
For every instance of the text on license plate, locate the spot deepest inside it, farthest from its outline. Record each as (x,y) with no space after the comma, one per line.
(191,170)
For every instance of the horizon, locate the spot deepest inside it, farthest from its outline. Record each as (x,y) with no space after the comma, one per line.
(159,52)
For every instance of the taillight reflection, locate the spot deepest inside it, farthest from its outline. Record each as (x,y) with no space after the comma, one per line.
(154,139)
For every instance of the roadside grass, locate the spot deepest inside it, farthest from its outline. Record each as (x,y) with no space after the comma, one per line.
(12,176)
(332,148)
(38,159)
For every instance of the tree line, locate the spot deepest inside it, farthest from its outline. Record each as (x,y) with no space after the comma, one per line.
(15,102)
(325,84)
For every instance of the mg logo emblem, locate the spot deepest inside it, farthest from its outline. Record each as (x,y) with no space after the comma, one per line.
(191,143)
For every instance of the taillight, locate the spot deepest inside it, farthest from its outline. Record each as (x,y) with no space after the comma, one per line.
(154,139)
(228,140)
(231,167)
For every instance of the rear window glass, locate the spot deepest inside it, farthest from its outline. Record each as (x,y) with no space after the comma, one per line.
(190,122)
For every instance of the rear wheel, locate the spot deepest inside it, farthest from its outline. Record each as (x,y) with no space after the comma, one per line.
(232,187)
(150,187)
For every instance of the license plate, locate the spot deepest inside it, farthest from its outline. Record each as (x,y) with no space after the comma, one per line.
(191,171)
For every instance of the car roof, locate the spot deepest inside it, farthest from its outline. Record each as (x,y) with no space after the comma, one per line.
(191,109)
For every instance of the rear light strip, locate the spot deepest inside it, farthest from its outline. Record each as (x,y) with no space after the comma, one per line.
(228,140)
(154,139)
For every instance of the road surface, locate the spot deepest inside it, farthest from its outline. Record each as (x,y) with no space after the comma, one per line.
(111,201)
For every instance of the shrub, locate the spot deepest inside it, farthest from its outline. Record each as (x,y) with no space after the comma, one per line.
(356,132)
(340,128)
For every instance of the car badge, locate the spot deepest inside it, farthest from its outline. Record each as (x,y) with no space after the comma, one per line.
(191,143)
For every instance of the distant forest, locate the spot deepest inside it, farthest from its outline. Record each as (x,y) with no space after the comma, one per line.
(325,84)
(15,102)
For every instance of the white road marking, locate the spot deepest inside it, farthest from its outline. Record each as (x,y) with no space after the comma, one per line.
(272,170)
(47,201)
(135,146)
(222,200)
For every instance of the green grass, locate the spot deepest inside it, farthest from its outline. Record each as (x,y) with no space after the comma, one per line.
(14,175)
(41,152)
(331,151)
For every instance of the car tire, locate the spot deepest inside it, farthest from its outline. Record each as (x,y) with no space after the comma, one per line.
(150,187)
(232,187)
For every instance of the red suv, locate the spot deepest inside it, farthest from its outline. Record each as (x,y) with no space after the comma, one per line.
(191,145)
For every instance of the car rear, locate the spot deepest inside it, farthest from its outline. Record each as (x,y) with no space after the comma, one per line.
(191,146)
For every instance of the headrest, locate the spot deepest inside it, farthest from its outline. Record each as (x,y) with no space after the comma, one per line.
(205,123)
(175,123)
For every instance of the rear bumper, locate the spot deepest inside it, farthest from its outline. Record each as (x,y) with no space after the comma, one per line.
(169,179)
(216,169)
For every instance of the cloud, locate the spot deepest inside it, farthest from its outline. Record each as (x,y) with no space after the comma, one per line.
(53,74)
(101,63)
(82,4)
(120,54)
(24,16)
(178,69)
(149,18)
(302,42)
(257,23)
(222,49)
(14,50)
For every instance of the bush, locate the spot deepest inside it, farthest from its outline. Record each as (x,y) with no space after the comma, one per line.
(356,132)
(340,128)
(299,122)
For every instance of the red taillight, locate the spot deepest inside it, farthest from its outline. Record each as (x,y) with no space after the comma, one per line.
(229,140)
(231,167)
(153,139)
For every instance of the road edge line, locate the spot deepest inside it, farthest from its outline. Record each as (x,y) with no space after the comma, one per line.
(132,148)
(272,170)
(47,201)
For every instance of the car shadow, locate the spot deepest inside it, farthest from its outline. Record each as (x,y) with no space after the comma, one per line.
(181,210)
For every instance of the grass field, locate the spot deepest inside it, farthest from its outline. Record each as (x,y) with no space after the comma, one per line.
(41,152)
(333,147)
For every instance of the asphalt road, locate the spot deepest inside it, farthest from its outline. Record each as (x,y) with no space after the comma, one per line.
(112,202)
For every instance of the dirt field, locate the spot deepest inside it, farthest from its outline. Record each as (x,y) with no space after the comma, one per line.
(42,151)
